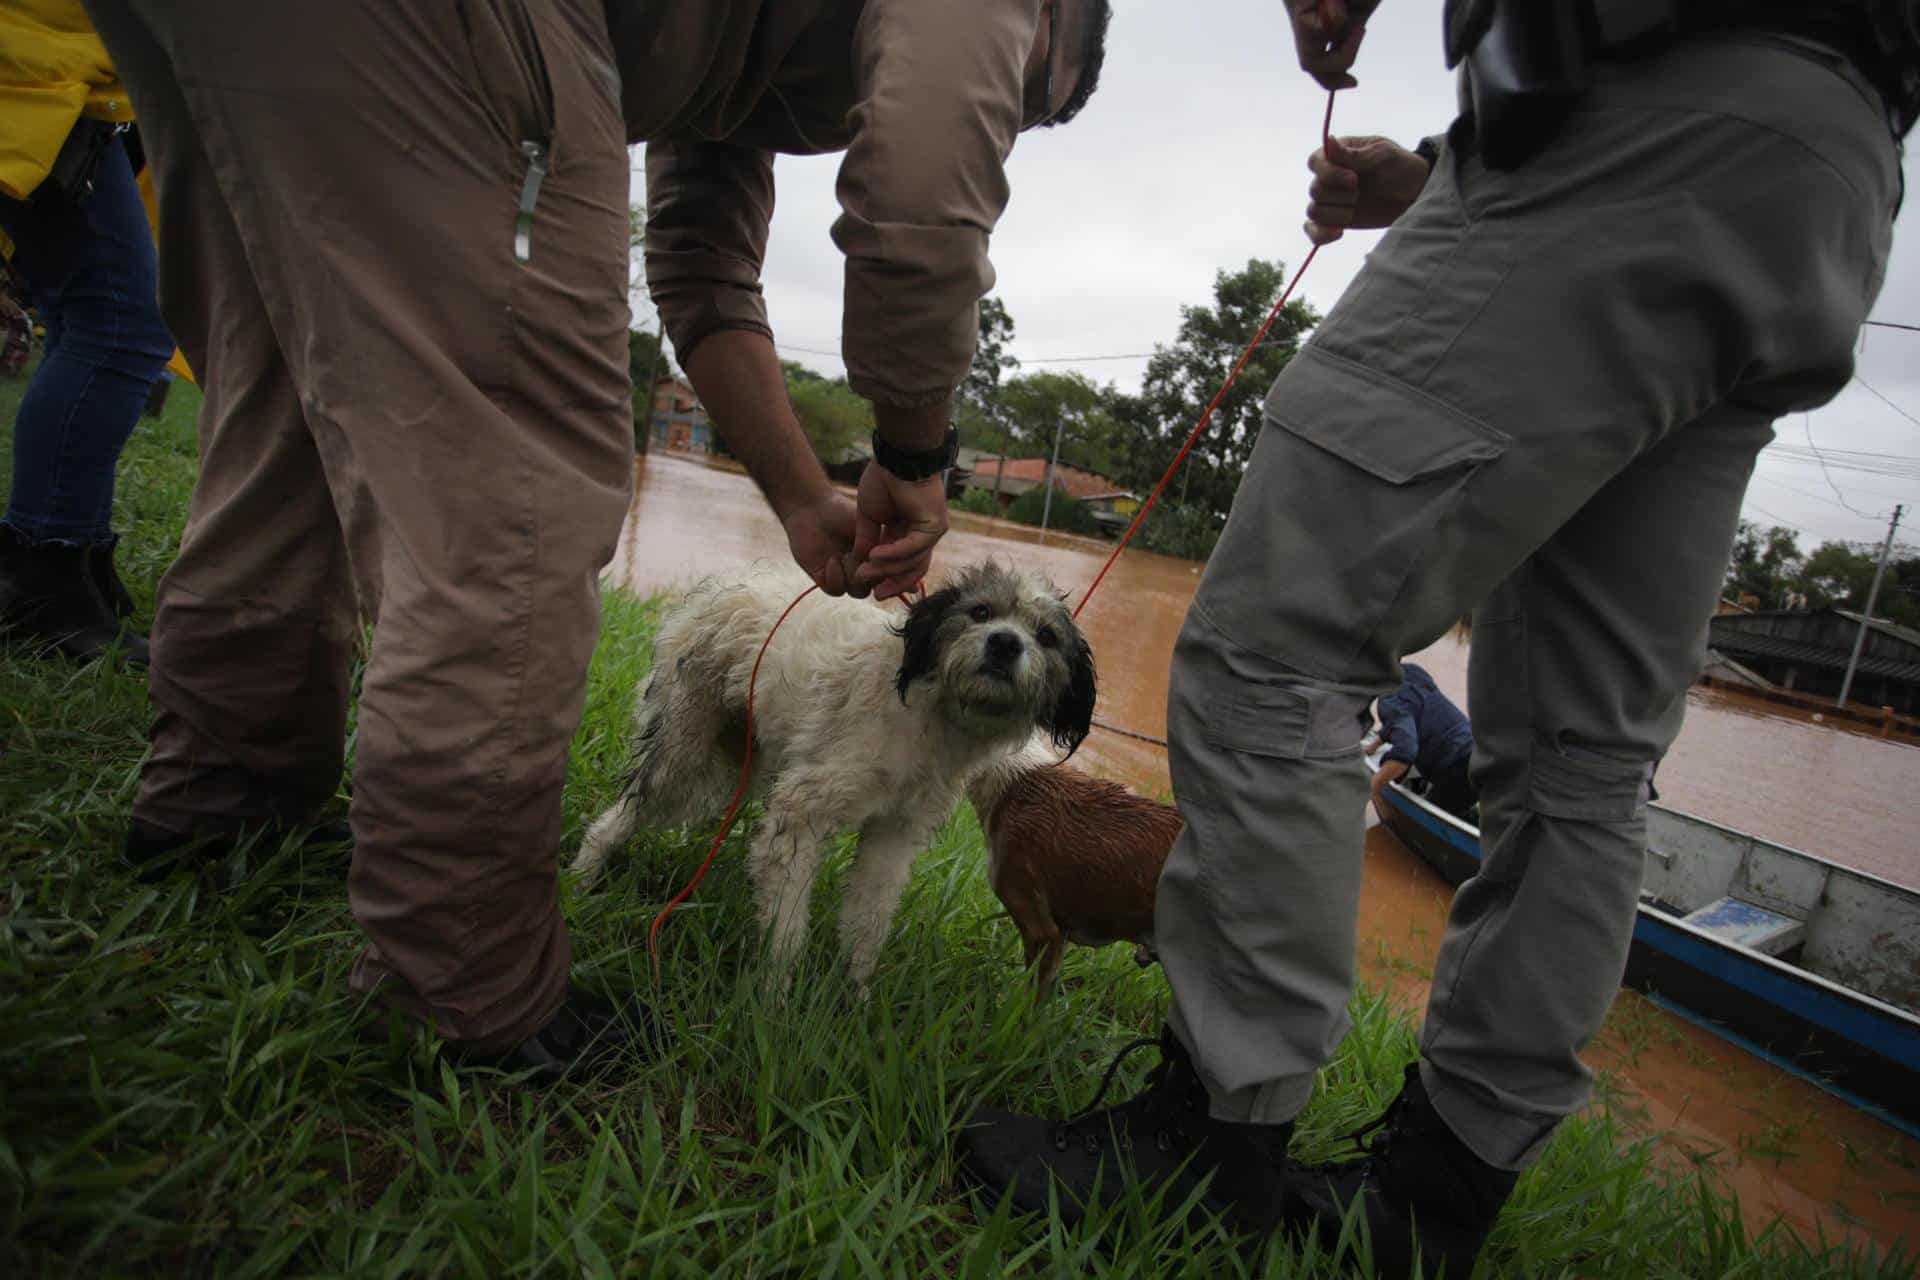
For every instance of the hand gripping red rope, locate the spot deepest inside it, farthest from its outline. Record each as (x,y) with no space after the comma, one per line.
(740,787)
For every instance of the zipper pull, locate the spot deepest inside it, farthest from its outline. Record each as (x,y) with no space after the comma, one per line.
(536,154)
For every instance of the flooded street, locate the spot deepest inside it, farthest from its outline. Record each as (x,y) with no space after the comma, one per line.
(1783,1145)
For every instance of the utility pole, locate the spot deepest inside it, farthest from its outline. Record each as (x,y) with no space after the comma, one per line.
(1873,594)
(1046,504)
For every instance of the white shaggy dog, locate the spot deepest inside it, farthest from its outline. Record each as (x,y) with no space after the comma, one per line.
(858,723)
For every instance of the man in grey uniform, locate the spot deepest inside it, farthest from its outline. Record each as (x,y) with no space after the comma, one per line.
(1543,397)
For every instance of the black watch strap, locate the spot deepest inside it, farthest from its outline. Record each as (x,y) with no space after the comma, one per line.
(917,464)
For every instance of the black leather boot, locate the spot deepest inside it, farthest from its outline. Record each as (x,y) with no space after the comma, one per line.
(1426,1197)
(49,600)
(155,852)
(106,578)
(587,1035)
(1163,1140)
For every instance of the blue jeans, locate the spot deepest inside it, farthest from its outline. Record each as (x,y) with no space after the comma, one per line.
(91,271)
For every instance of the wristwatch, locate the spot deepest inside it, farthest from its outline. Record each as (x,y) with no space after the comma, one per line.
(1429,150)
(917,464)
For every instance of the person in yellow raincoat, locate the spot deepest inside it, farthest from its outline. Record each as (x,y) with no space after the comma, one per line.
(76,229)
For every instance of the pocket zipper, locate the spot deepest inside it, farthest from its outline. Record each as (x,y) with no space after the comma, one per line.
(536,154)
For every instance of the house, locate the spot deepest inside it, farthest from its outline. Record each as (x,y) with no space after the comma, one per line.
(679,421)
(1807,651)
(1114,509)
(1011,477)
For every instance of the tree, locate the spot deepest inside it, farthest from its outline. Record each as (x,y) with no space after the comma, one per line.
(1066,512)
(647,362)
(1036,405)
(1841,574)
(1182,378)
(977,402)
(1837,573)
(834,417)
(1765,564)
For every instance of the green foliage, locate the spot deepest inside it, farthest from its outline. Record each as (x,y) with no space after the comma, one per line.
(1188,532)
(1131,438)
(1767,564)
(647,361)
(991,362)
(835,418)
(977,501)
(1067,512)
(187,1087)
(1182,378)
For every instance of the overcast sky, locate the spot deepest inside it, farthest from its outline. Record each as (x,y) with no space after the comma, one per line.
(1192,157)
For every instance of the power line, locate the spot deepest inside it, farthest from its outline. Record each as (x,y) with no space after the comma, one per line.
(1883,400)
(1811,497)
(1772,515)
(1806,423)
(1888,324)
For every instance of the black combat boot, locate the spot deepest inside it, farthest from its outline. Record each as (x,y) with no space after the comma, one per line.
(1423,1193)
(587,1036)
(154,852)
(106,578)
(1162,1140)
(50,601)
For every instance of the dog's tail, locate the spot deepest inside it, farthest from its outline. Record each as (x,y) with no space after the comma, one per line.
(616,826)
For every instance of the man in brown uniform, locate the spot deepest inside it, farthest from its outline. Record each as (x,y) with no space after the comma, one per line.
(394,242)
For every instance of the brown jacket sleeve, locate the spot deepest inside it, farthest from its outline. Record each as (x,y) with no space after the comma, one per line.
(938,105)
(708,208)
(922,185)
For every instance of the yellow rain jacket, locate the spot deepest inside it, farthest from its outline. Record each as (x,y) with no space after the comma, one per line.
(53,70)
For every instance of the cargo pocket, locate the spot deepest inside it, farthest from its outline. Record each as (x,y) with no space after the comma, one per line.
(1586,787)
(1351,487)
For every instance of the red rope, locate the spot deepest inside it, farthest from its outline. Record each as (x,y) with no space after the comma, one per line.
(739,792)
(746,760)
(1326,128)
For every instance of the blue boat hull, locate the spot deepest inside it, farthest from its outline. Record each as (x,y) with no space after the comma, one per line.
(1848,1044)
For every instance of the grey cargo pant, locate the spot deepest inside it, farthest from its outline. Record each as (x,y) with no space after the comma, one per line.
(1543,397)
(406,421)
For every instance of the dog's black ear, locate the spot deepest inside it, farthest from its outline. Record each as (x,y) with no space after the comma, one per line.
(1070,718)
(923,620)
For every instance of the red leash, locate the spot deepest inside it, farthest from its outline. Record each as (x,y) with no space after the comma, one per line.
(740,787)
(1326,128)
(739,791)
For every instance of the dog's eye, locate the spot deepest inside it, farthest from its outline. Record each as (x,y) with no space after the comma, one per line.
(980,613)
(1047,638)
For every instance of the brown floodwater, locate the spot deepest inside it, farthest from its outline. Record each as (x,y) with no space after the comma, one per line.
(1783,1146)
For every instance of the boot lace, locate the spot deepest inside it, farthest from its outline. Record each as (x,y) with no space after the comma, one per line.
(1158,1104)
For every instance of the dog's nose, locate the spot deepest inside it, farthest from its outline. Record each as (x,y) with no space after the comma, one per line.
(1003,648)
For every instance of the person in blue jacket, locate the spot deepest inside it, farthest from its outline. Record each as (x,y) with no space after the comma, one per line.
(1425,731)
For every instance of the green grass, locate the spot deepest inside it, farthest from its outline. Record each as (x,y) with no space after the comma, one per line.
(187,1086)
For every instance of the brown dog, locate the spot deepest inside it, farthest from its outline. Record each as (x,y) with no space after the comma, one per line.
(1071,857)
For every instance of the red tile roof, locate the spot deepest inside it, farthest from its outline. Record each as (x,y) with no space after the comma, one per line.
(1071,480)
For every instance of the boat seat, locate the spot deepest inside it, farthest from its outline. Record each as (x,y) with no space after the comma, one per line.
(1746,925)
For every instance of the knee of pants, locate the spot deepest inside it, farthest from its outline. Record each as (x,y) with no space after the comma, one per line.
(119,331)
(1249,700)
(1234,718)
(1594,793)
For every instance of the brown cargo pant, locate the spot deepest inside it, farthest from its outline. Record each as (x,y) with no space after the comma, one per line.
(416,414)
